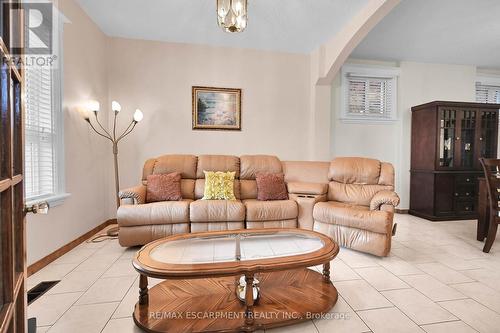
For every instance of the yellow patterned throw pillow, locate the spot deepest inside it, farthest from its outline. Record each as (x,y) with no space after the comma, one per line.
(219,185)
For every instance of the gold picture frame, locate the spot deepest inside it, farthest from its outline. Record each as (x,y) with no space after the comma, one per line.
(216,108)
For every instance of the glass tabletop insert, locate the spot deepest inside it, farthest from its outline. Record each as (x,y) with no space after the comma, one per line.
(233,247)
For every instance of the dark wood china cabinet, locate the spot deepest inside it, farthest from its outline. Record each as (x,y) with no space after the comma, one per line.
(447,140)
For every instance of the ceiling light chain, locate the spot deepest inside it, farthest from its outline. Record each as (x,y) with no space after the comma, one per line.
(232,15)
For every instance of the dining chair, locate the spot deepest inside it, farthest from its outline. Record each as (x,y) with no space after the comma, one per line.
(492,174)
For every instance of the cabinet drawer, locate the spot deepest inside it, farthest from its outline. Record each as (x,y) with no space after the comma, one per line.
(465,179)
(465,191)
(465,206)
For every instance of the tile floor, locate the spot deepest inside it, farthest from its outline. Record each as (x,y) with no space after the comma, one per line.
(436,279)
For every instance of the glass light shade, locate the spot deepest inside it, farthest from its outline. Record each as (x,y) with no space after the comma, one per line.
(232,15)
(138,115)
(84,112)
(93,106)
(115,106)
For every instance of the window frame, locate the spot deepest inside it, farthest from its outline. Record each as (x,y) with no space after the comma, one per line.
(368,71)
(57,82)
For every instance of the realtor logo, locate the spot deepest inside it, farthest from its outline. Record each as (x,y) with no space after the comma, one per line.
(38,27)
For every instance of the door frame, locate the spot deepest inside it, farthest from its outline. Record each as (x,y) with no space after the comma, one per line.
(13,299)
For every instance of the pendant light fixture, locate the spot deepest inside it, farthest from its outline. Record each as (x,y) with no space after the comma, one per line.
(232,15)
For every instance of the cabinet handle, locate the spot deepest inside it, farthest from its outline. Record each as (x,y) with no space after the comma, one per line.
(467,194)
(467,208)
(456,194)
(480,139)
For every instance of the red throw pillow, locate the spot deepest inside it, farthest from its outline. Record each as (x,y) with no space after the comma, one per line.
(271,186)
(164,187)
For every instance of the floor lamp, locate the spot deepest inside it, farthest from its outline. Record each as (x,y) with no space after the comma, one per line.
(94,106)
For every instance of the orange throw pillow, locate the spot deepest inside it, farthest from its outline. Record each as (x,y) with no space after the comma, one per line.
(164,187)
(271,186)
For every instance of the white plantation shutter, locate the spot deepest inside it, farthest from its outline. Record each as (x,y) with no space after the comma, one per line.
(44,123)
(370,96)
(40,133)
(487,93)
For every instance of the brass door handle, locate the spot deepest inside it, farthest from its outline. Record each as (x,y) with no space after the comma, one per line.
(38,208)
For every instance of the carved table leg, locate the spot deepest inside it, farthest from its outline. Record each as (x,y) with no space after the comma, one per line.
(143,289)
(249,317)
(326,271)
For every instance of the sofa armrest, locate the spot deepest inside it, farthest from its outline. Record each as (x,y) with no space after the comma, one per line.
(382,198)
(134,195)
(307,188)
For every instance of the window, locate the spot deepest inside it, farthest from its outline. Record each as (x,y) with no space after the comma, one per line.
(369,93)
(486,93)
(43,148)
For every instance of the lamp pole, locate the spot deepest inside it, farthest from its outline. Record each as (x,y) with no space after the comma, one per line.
(115,106)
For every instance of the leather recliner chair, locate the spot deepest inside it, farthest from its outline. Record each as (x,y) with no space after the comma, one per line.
(360,208)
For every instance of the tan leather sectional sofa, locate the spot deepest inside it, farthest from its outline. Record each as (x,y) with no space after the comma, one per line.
(350,199)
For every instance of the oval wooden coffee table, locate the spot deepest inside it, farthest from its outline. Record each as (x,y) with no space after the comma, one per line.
(206,273)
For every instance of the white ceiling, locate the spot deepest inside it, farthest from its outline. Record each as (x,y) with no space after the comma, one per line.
(440,31)
(283,25)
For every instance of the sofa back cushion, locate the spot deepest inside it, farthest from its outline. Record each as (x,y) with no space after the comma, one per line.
(355,180)
(222,163)
(250,165)
(184,164)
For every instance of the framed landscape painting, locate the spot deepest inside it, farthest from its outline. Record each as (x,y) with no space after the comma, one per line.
(216,108)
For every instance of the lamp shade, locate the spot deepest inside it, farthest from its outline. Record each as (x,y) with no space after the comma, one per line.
(115,106)
(138,115)
(93,106)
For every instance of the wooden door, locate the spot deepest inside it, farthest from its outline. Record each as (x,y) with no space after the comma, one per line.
(12,222)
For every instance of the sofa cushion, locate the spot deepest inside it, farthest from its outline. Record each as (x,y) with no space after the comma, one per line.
(185,164)
(217,163)
(219,185)
(253,164)
(163,212)
(355,194)
(165,187)
(248,189)
(354,170)
(217,211)
(359,217)
(271,186)
(275,210)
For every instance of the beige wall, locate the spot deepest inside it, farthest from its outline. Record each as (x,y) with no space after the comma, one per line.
(87,156)
(418,83)
(157,77)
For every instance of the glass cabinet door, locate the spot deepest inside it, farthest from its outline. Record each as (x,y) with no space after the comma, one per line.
(488,134)
(447,132)
(467,138)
